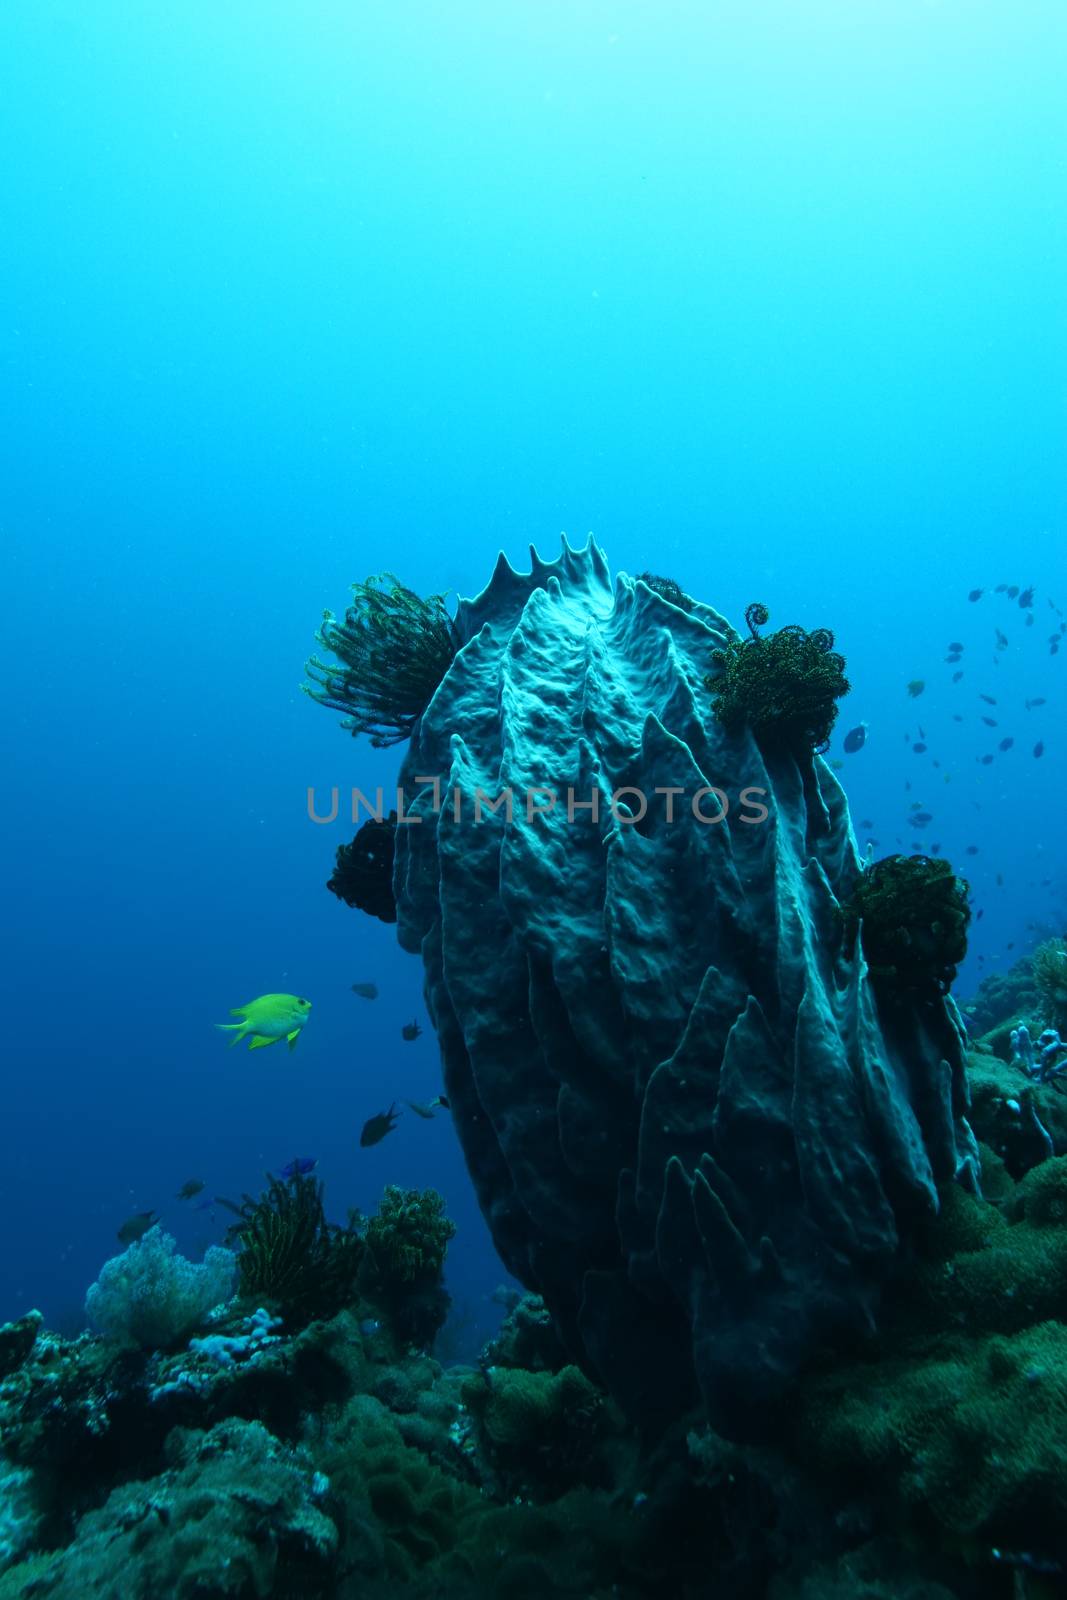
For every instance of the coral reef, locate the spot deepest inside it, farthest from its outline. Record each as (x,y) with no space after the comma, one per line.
(338,1462)
(392,650)
(17,1339)
(363,876)
(686,1110)
(1002,995)
(957,1417)
(235,1513)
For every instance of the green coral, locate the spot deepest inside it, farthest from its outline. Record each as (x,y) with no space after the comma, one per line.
(914,913)
(783,685)
(392,649)
(289,1256)
(960,1418)
(408,1235)
(1050,979)
(538,1430)
(236,1514)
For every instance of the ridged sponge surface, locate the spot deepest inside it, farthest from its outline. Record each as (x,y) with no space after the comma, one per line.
(690,1126)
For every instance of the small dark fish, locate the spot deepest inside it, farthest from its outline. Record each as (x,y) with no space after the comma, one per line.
(979,915)
(299,1167)
(190,1188)
(376,1128)
(921,818)
(1002,640)
(971,850)
(866,823)
(1006,744)
(976,594)
(956,717)
(366,991)
(987,761)
(1012,590)
(1039,701)
(956,676)
(1026,598)
(920,749)
(990,722)
(855,739)
(443,1101)
(420,1110)
(916,687)
(410,1030)
(1029,619)
(1000,588)
(988,698)
(1000,880)
(1039,748)
(135,1228)
(957,647)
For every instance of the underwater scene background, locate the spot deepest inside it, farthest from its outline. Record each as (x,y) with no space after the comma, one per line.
(767,300)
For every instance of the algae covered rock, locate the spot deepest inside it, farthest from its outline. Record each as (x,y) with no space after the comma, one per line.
(694,1126)
(17,1339)
(236,1514)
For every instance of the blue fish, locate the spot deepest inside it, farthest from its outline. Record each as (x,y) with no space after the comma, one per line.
(299,1167)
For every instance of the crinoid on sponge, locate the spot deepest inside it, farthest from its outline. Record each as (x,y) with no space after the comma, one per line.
(393,648)
(289,1255)
(406,1243)
(914,913)
(363,875)
(409,1233)
(782,685)
(666,588)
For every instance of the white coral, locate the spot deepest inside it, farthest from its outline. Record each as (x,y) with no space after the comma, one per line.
(152,1297)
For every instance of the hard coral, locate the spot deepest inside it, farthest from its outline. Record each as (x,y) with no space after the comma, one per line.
(393,648)
(782,685)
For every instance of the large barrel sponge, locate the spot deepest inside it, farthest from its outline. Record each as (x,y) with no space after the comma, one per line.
(693,1126)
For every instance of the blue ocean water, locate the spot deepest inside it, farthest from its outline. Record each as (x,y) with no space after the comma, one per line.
(767,297)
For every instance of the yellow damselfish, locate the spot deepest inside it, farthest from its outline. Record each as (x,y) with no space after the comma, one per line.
(266,1020)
